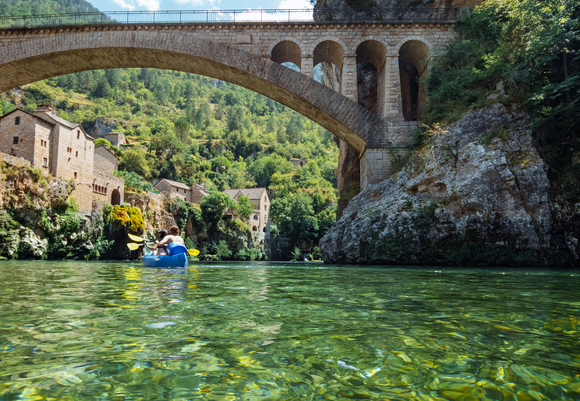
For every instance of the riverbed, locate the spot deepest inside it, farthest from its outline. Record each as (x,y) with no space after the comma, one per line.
(293,331)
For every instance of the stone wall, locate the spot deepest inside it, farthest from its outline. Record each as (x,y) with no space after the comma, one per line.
(14,160)
(73,154)
(105,161)
(110,183)
(197,194)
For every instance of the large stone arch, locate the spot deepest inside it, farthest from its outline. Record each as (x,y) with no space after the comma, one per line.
(41,58)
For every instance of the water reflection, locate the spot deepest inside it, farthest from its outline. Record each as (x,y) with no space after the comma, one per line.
(237,332)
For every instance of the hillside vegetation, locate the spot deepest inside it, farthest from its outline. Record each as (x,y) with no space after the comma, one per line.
(524,54)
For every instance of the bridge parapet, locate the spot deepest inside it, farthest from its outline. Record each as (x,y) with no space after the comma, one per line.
(320,15)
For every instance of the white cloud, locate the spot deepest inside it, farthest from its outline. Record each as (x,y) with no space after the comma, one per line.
(192,2)
(150,5)
(295,4)
(123,4)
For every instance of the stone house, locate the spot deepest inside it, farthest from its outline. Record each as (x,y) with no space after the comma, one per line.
(174,189)
(63,149)
(259,220)
(116,138)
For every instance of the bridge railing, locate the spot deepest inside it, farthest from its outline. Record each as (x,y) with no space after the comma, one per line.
(233,16)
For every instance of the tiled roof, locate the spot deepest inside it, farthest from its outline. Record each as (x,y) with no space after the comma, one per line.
(53,118)
(33,115)
(173,184)
(252,193)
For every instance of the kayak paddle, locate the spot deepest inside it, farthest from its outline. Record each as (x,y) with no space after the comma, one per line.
(134,246)
(136,238)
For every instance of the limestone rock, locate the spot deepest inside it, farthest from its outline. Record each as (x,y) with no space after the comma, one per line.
(31,243)
(479,194)
(102,127)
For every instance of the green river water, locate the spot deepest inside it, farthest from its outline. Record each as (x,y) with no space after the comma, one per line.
(269,331)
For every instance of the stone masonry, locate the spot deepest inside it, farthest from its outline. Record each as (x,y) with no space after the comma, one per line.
(249,55)
(60,148)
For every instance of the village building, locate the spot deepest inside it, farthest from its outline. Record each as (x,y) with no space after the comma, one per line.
(116,138)
(174,189)
(259,220)
(62,149)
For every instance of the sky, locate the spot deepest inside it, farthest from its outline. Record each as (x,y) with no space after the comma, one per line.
(152,5)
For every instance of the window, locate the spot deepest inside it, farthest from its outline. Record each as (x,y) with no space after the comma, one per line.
(78,134)
(77,153)
(69,150)
(17,121)
(15,141)
(45,162)
(255,217)
(43,143)
(76,175)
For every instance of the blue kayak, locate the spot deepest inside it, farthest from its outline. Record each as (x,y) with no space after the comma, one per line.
(177,257)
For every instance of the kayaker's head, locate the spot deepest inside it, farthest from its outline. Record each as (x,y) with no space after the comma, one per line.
(162,233)
(174,230)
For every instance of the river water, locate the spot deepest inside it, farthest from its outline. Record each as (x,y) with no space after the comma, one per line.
(268,331)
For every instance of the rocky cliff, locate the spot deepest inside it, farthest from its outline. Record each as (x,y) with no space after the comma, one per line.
(476,194)
(38,219)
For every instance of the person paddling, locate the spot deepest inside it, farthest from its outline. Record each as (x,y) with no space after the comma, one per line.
(157,248)
(172,237)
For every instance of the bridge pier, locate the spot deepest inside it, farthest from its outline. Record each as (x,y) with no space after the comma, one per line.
(393,109)
(307,66)
(375,166)
(348,84)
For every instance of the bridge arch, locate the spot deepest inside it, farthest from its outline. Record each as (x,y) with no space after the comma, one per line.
(287,49)
(331,52)
(371,74)
(40,58)
(400,44)
(414,54)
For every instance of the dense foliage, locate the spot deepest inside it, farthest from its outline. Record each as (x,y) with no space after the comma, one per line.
(17,8)
(531,49)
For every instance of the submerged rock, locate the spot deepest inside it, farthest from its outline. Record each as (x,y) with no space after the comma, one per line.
(477,194)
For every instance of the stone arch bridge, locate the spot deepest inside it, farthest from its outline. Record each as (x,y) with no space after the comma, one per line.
(250,55)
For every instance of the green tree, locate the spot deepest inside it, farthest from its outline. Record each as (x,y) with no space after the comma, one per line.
(182,129)
(244,208)
(213,207)
(134,160)
(103,89)
(235,117)
(102,142)
(263,168)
